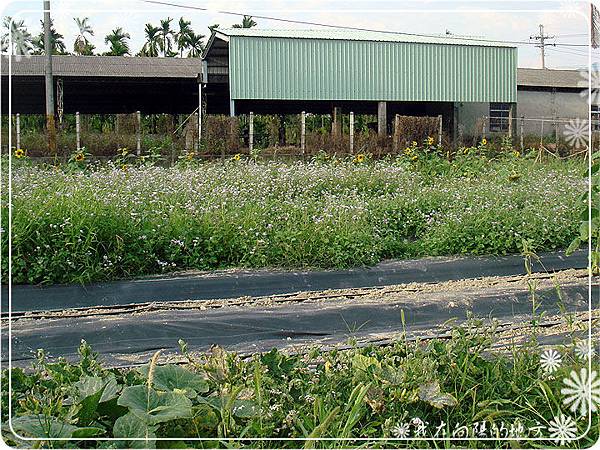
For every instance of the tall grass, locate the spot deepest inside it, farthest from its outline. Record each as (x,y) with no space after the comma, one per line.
(108,222)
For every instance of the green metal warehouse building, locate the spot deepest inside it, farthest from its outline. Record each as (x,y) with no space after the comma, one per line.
(332,71)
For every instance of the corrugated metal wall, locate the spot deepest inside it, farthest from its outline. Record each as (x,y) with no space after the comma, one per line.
(313,69)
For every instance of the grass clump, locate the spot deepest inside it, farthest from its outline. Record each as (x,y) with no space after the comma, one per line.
(443,389)
(120,221)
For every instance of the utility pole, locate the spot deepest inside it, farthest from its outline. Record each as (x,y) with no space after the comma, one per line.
(50,123)
(542,38)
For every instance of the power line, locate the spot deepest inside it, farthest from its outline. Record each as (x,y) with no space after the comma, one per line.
(542,45)
(344,27)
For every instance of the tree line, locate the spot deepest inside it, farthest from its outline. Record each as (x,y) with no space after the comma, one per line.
(164,39)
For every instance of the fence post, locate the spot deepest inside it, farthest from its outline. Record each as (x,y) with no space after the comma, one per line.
(199,114)
(521,133)
(440,131)
(483,129)
(78,130)
(351,132)
(396,133)
(139,133)
(303,132)
(18,130)
(251,132)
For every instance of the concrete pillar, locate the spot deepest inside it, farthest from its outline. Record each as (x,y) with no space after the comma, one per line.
(336,123)
(232,108)
(303,132)
(512,115)
(382,118)
(351,132)
(19,131)
(251,132)
(78,130)
(138,133)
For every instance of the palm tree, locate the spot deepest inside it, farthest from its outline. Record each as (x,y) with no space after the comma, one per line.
(82,46)
(165,34)
(196,45)
(117,39)
(22,41)
(56,41)
(182,38)
(213,27)
(247,22)
(152,43)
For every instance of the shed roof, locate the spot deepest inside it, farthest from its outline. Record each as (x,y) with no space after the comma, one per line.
(358,35)
(552,78)
(105,66)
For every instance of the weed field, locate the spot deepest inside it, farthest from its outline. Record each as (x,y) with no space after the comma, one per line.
(456,389)
(107,222)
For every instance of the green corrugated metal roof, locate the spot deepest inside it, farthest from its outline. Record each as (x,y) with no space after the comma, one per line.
(360,35)
(273,65)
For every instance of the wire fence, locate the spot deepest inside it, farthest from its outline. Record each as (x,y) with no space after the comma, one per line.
(171,136)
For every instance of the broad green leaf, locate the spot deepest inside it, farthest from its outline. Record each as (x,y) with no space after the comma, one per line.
(154,407)
(88,386)
(176,378)
(40,426)
(130,426)
(432,394)
(88,407)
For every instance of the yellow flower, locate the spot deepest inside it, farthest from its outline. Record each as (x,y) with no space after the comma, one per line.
(484,141)
(124,167)
(190,156)
(360,158)
(123,151)
(430,141)
(79,157)
(237,157)
(20,153)
(414,158)
(516,153)
(414,143)
(327,366)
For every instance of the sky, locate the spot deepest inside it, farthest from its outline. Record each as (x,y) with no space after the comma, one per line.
(505,20)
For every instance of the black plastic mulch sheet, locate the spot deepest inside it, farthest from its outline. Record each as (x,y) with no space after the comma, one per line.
(219,285)
(131,338)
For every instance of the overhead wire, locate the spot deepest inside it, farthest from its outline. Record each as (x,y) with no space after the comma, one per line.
(345,27)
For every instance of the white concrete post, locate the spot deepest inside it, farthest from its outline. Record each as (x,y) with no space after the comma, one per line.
(139,133)
(18,130)
(521,132)
(78,130)
(440,131)
(351,132)
(199,114)
(381,118)
(303,132)
(396,134)
(251,132)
